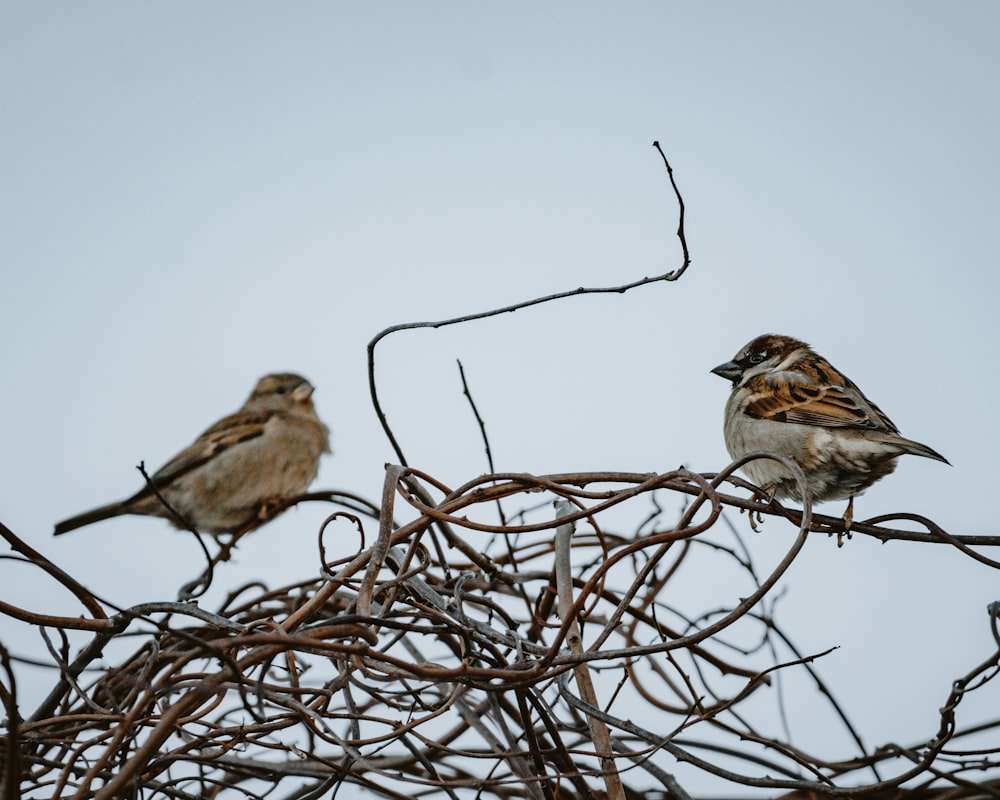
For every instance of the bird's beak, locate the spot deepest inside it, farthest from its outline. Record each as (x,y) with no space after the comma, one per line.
(731,371)
(303,392)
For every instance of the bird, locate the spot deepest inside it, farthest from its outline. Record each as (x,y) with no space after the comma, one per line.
(226,480)
(789,399)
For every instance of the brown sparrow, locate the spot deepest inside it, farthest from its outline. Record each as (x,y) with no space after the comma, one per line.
(789,399)
(267,451)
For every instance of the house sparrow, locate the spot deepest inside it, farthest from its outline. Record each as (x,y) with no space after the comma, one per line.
(789,399)
(267,451)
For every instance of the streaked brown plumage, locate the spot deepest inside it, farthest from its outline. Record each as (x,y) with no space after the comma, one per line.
(268,450)
(789,399)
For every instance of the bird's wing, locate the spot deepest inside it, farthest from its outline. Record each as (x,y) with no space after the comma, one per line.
(227,432)
(788,397)
(224,434)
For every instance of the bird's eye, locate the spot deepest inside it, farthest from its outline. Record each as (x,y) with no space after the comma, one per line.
(756,358)
(282,390)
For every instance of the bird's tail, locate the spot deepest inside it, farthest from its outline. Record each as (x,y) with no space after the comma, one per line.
(88,517)
(917,449)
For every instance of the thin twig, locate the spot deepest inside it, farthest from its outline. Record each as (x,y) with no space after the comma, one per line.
(670,276)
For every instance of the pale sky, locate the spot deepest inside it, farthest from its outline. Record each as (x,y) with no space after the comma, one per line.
(196,194)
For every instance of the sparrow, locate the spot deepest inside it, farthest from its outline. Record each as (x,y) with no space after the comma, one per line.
(225,480)
(789,399)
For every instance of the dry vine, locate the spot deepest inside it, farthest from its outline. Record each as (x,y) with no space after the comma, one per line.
(518,636)
(414,677)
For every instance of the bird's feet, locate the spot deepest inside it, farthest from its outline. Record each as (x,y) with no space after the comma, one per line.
(766,495)
(848,521)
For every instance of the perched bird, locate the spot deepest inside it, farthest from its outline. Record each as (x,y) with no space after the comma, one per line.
(267,451)
(789,399)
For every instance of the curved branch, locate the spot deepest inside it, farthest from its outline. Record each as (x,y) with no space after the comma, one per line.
(673,275)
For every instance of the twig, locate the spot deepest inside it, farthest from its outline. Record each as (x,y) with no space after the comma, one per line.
(670,276)
(567,611)
(12,741)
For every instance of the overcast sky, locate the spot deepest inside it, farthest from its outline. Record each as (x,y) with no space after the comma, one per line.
(196,194)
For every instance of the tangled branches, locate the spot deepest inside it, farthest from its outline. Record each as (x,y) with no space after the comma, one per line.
(577,636)
(471,652)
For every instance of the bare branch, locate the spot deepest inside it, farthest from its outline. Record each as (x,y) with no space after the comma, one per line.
(670,276)
(398,673)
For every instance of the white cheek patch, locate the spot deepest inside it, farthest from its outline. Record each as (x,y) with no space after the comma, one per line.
(790,361)
(748,375)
